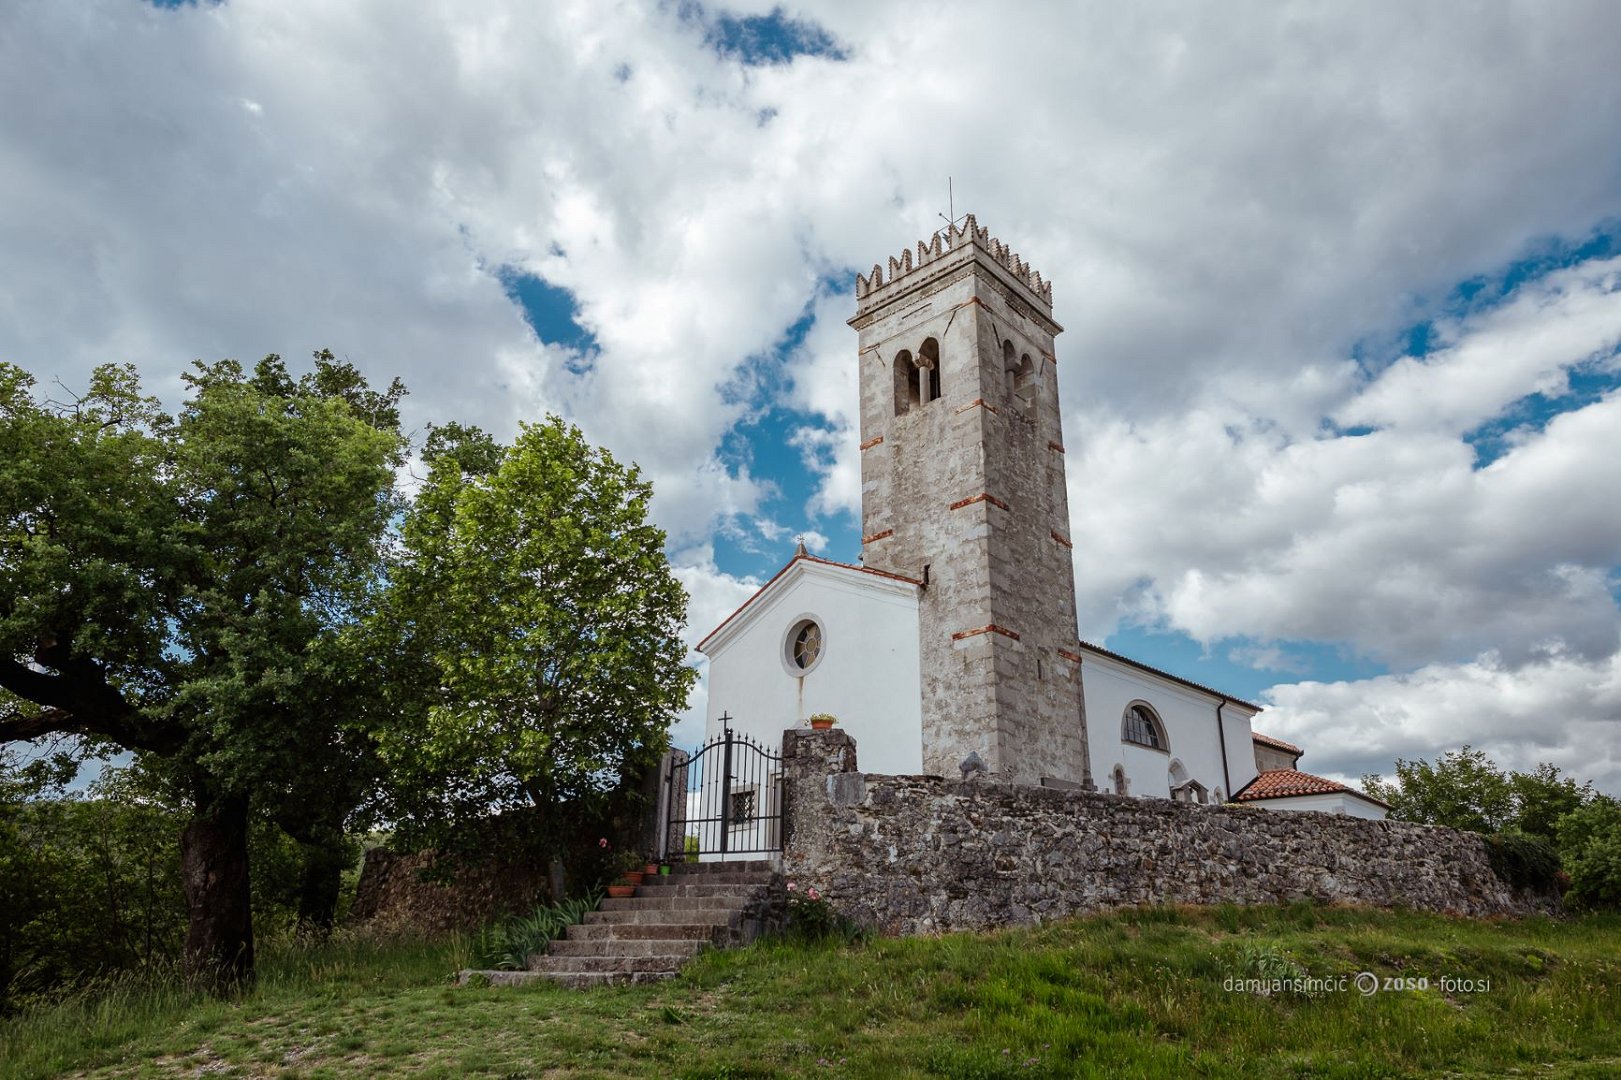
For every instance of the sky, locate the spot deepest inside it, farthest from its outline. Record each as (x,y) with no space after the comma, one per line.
(1341,378)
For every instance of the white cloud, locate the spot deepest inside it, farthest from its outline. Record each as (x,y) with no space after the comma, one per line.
(1559,708)
(1524,347)
(1229,199)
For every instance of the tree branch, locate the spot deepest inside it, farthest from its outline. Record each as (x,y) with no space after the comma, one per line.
(79,702)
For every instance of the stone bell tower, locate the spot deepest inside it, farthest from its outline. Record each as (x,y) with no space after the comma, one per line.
(962,487)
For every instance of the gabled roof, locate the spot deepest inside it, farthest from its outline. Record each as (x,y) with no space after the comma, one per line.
(1189,683)
(801,557)
(1276,744)
(1285,783)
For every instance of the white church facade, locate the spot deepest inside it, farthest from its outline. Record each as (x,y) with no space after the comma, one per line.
(953,646)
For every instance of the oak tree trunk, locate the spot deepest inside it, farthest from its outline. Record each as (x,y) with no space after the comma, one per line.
(219,911)
(319,882)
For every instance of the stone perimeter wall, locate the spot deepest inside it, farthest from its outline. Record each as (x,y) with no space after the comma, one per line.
(924,854)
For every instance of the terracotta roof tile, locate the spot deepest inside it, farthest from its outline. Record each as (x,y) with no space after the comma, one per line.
(1283,783)
(1276,744)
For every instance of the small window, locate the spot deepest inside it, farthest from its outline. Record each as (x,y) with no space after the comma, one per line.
(803,646)
(1143,728)
(928,359)
(908,387)
(742,809)
(1024,385)
(807,645)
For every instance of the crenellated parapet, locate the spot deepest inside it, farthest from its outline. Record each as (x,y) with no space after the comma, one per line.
(945,242)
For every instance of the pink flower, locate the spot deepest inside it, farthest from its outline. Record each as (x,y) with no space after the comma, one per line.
(813,894)
(792,886)
(603,842)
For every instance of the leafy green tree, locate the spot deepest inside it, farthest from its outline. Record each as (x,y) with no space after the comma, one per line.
(536,624)
(1590,848)
(175,586)
(1543,796)
(88,881)
(1464,789)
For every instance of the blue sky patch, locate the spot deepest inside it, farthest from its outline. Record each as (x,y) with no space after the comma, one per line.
(1242,667)
(764,39)
(551,312)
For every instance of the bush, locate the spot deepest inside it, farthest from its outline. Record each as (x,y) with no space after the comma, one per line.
(1590,841)
(1523,861)
(812,918)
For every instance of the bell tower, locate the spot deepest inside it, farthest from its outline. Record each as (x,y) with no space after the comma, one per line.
(962,487)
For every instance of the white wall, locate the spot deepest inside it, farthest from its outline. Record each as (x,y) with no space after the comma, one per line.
(868,675)
(1338,802)
(1189,718)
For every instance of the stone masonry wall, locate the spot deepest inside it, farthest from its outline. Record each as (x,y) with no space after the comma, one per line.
(921,854)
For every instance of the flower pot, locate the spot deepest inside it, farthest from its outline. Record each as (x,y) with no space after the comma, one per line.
(664,871)
(650,870)
(621,892)
(821,725)
(633,877)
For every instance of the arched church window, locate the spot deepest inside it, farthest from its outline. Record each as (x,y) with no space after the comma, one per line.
(1024,385)
(1143,728)
(908,387)
(928,359)
(1010,369)
(803,647)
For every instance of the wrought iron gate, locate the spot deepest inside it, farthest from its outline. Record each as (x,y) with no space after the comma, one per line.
(725,799)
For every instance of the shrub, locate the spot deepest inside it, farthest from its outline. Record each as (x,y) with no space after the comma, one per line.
(1523,861)
(1590,842)
(812,918)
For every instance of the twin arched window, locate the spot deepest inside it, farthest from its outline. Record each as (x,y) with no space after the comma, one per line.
(917,380)
(1019,379)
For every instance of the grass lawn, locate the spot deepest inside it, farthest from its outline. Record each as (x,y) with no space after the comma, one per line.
(1138,993)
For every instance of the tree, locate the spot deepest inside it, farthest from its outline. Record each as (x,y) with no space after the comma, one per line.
(1463,790)
(1590,848)
(537,626)
(176,587)
(1543,796)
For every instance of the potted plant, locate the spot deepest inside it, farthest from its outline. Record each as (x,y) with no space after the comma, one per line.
(628,864)
(822,721)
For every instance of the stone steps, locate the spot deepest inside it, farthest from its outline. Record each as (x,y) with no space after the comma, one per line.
(669,903)
(715,915)
(659,892)
(650,935)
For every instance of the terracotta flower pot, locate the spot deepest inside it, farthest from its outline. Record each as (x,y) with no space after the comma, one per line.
(650,870)
(621,892)
(821,725)
(633,877)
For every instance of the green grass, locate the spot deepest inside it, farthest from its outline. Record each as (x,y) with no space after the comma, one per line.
(1132,994)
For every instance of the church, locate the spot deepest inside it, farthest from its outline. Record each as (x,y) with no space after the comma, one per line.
(952,647)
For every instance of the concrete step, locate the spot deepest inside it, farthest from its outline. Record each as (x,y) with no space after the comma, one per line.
(728,877)
(724,866)
(654,916)
(745,891)
(728,901)
(608,947)
(646,931)
(574,980)
(590,980)
(670,962)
